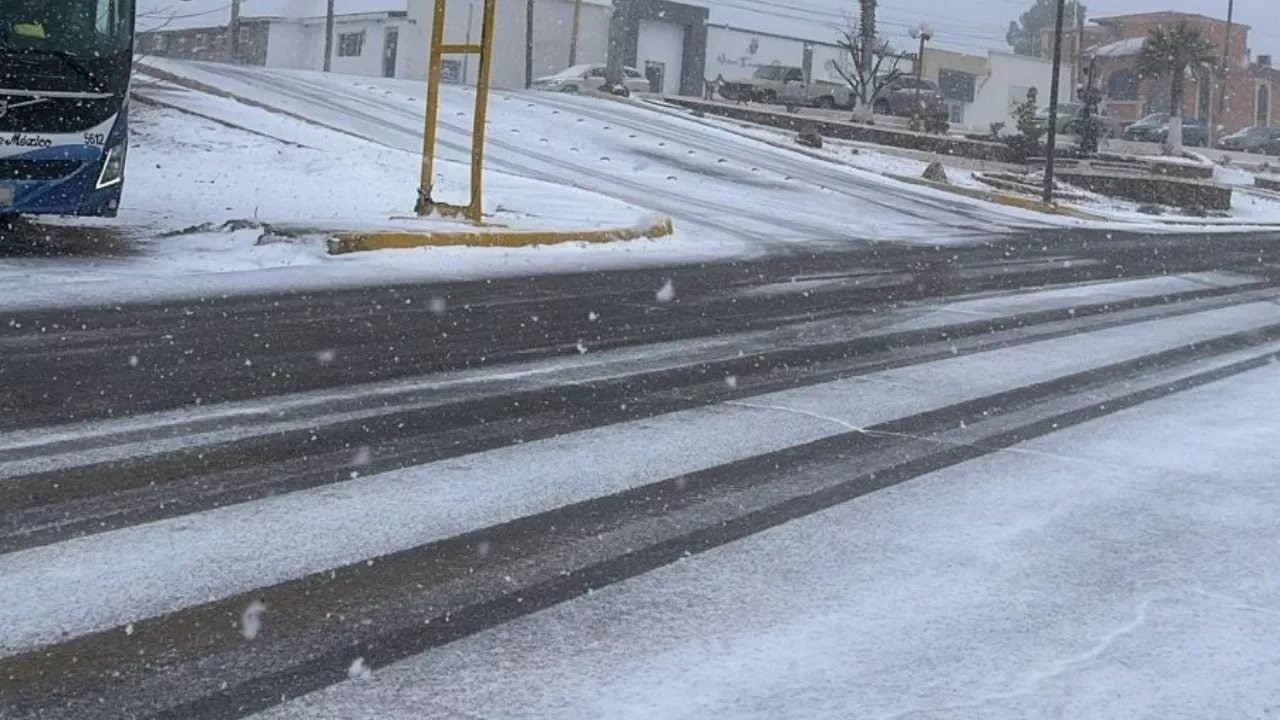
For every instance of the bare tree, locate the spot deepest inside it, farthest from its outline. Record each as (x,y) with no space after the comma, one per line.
(873,64)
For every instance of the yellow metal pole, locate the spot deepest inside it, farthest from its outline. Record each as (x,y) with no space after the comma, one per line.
(435,69)
(476,209)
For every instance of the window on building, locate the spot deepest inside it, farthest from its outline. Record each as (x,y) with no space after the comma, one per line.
(1122,85)
(350,44)
(957,86)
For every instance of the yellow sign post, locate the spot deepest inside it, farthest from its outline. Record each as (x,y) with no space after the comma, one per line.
(474,210)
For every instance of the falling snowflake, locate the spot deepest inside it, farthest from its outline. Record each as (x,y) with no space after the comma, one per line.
(326,356)
(582,348)
(251,619)
(483,548)
(731,381)
(363,456)
(667,293)
(593,316)
(437,306)
(128,630)
(133,361)
(358,671)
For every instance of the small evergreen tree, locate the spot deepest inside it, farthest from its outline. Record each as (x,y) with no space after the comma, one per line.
(1027,141)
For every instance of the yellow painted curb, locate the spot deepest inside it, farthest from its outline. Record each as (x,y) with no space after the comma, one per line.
(1041,206)
(349,242)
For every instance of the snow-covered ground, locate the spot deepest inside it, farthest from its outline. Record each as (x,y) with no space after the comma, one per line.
(1124,568)
(199,194)
(718,182)
(218,190)
(1248,208)
(226,197)
(78,586)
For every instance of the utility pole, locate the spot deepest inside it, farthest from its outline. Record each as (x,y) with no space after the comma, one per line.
(574,31)
(1221,118)
(328,37)
(920,60)
(1078,62)
(924,34)
(528,44)
(233,33)
(867,29)
(1054,87)
(619,27)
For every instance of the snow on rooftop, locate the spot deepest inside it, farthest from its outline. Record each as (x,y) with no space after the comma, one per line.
(1121,48)
(155,14)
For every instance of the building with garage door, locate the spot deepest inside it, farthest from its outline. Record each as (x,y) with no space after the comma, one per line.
(674,44)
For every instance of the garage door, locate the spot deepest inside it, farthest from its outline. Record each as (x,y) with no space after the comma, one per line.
(659,50)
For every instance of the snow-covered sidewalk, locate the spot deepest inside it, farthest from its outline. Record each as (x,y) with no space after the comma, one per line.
(211,209)
(1124,568)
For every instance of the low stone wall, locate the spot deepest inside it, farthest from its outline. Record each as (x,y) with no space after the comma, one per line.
(1115,163)
(1152,189)
(1181,169)
(940,144)
(1267,183)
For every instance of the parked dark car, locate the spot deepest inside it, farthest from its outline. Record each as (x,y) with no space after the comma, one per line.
(1155,128)
(1258,140)
(906,94)
(1069,117)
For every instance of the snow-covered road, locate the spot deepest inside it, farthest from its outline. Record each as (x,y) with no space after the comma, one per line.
(1125,568)
(994,507)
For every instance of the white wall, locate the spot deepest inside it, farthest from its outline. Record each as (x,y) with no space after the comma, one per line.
(1010,76)
(285,44)
(462,20)
(553,33)
(737,53)
(300,45)
(662,42)
(553,28)
(824,56)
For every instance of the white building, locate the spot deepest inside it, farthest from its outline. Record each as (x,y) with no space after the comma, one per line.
(677,44)
(984,89)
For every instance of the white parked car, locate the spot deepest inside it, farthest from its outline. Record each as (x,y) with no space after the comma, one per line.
(589,77)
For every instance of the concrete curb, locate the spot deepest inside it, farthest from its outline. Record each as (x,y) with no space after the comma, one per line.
(349,242)
(1000,198)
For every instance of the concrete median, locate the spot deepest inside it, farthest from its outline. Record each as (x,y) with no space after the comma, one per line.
(403,238)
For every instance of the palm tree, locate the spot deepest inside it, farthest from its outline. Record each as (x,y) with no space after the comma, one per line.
(1172,52)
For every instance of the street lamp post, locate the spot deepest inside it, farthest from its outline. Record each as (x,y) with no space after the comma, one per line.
(1054,85)
(924,34)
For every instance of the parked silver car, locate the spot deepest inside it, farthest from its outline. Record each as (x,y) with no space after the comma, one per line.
(786,85)
(589,77)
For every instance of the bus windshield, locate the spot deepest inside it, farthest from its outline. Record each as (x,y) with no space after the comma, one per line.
(86,28)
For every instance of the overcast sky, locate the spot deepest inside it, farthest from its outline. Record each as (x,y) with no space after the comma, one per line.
(976,25)
(964,25)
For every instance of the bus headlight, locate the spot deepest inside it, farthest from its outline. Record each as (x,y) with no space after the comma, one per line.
(112,167)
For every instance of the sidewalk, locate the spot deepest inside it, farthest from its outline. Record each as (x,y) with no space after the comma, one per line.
(518,211)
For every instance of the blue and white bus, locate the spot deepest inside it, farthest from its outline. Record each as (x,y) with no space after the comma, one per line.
(64,88)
